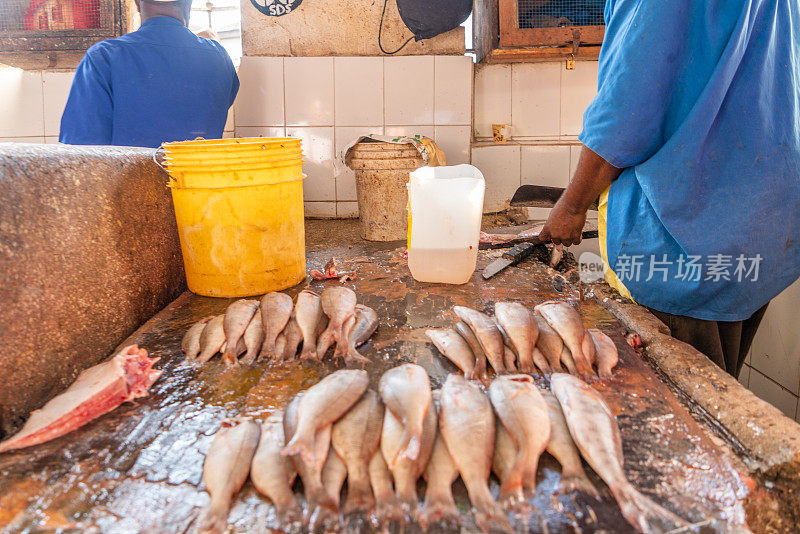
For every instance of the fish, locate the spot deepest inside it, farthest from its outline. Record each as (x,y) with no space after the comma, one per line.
(323,343)
(317,496)
(454,348)
(294,336)
(380,478)
(522,330)
(211,339)
(321,405)
(308,314)
(334,473)
(509,358)
(550,344)
(406,392)
(563,449)
(190,344)
(236,320)
(505,452)
(594,430)
(524,414)
(556,253)
(468,335)
(467,425)
(360,330)
(276,309)
(440,474)
(225,469)
(253,339)
(273,474)
(355,438)
(489,336)
(607,355)
(406,471)
(97,390)
(567,322)
(339,304)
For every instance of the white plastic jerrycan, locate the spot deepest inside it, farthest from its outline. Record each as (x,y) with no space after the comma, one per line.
(445,206)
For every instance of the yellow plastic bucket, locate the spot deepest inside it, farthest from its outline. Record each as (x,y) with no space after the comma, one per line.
(240,224)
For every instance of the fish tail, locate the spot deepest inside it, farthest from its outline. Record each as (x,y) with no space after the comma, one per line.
(511,488)
(576,480)
(605,373)
(489,516)
(359,496)
(250,357)
(644,514)
(214,519)
(541,362)
(354,357)
(439,508)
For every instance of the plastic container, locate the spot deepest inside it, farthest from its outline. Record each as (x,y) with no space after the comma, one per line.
(445,206)
(240,223)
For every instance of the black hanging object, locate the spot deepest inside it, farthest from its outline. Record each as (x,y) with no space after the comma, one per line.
(427,18)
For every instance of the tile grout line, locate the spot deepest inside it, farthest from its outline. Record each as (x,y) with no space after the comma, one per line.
(773,381)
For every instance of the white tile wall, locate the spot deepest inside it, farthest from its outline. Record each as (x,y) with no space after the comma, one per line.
(452,89)
(408,131)
(454,140)
(308,87)
(260,131)
(358,90)
(318,154)
(545,165)
(773,393)
(535,88)
(55,86)
(408,90)
(320,210)
(260,101)
(500,165)
(345,177)
(22,140)
(21,103)
(574,156)
(347,210)
(578,87)
(492,98)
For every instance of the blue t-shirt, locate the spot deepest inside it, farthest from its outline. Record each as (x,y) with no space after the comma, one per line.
(160,83)
(699,102)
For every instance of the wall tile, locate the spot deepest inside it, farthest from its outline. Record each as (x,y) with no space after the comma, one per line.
(427,131)
(309,91)
(228,134)
(55,88)
(492,98)
(776,347)
(771,392)
(578,88)
(230,122)
(22,139)
(455,142)
(744,376)
(500,165)
(345,177)
(538,214)
(347,210)
(320,210)
(452,90)
(318,153)
(260,98)
(408,90)
(21,103)
(260,131)
(574,156)
(545,165)
(358,90)
(536,99)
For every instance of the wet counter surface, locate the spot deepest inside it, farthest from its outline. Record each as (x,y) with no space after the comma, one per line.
(139,468)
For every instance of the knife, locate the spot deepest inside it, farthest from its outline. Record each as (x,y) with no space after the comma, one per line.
(512,256)
(539,196)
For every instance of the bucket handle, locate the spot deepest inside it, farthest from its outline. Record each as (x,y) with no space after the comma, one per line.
(159,158)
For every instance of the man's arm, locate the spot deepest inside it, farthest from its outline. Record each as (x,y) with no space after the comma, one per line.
(88,115)
(592,177)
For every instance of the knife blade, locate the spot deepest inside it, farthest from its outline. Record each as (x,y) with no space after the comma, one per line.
(514,255)
(539,196)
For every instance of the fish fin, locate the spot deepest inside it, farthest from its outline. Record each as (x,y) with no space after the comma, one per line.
(409,445)
(491,518)
(645,514)
(359,496)
(605,374)
(511,488)
(578,481)
(440,512)
(299,445)
(213,520)
(541,362)
(353,357)
(324,519)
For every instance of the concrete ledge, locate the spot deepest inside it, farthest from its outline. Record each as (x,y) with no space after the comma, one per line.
(89,251)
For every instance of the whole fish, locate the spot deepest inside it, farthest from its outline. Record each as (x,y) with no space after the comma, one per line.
(237,318)
(406,471)
(440,474)
(563,449)
(190,344)
(211,339)
(467,425)
(308,313)
(365,324)
(339,304)
(294,336)
(321,405)
(253,339)
(276,309)
(607,355)
(595,431)
(310,472)
(455,349)
(406,392)
(489,336)
(520,326)
(225,470)
(273,474)
(468,335)
(323,343)
(280,346)
(550,344)
(355,439)
(524,415)
(505,453)
(567,322)
(334,473)
(380,478)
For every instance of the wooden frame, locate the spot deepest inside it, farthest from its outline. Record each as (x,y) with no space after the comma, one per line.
(511,35)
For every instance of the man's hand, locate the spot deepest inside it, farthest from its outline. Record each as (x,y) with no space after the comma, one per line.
(565,224)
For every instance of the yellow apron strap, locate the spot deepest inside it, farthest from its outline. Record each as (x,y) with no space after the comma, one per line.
(610,275)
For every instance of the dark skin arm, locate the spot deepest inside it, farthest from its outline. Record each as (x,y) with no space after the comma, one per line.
(592,177)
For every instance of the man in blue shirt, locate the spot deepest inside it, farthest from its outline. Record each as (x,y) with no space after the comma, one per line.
(693,145)
(160,83)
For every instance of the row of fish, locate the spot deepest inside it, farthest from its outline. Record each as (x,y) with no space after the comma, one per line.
(381,443)
(552,338)
(276,327)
